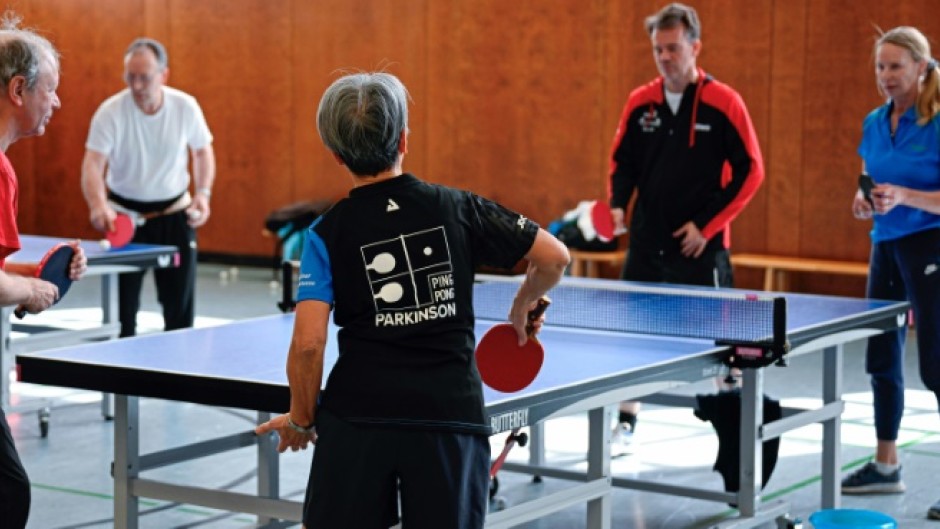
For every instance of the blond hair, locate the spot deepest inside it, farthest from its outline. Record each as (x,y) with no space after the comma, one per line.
(911,39)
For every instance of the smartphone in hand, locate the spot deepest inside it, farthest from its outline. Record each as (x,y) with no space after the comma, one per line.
(865,183)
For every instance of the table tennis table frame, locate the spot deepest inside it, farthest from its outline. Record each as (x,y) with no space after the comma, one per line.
(597,397)
(592,487)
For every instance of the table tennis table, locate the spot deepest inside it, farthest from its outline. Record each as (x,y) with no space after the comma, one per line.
(242,365)
(107,264)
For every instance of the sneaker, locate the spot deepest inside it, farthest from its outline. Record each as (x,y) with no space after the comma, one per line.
(934,511)
(620,440)
(867,480)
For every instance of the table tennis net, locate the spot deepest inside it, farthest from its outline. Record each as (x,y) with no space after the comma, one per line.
(720,316)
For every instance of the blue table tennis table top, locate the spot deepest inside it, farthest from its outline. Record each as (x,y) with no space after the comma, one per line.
(34,247)
(242,364)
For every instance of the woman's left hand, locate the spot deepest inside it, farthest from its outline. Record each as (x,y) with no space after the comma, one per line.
(289,437)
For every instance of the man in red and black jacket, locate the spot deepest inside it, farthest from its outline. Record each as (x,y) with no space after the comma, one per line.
(685,144)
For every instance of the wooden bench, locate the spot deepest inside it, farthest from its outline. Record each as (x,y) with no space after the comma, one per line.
(585,264)
(776,267)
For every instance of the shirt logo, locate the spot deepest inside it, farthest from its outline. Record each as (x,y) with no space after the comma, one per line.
(704,127)
(931,268)
(411,278)
(650,121)
(521,222)
(392,206)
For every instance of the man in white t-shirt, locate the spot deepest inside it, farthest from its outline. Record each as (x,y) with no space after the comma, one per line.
(136,161)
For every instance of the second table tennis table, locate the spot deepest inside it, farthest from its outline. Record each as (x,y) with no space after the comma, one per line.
(242,365)
(106,264)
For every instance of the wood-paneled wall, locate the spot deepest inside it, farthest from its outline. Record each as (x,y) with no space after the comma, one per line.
(517,101)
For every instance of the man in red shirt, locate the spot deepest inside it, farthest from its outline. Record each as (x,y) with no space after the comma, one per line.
(29,76)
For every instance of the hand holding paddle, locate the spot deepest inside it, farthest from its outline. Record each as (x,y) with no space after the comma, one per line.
(122,234)
(504,364)
(603,220)
(55,268)
(866,184)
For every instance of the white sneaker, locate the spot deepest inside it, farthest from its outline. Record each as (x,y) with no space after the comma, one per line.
(620,440)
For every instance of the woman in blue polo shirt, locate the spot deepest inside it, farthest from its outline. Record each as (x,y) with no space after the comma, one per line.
(900,149)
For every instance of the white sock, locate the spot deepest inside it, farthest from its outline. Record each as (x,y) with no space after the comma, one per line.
(886,469)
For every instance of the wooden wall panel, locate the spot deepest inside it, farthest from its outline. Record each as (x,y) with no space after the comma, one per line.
(521,105)
(514,100)
(242,80)
(379,36)
(783,189)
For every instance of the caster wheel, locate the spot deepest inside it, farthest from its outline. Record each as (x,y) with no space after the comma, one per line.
(44,414)
(536,479)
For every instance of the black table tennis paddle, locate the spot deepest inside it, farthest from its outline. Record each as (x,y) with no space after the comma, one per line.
(866,184)
(54,268)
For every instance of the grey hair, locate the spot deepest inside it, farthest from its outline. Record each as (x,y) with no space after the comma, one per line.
(361,118)
(158,50)
(673,15)
(22,51)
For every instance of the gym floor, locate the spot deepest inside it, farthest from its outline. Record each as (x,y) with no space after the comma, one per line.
(70,468)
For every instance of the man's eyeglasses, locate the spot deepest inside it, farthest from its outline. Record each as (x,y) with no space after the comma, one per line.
(143,78)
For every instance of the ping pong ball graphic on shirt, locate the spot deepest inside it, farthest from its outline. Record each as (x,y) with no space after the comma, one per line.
(427,250)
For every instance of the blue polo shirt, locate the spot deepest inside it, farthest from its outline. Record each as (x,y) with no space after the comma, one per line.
(911,159)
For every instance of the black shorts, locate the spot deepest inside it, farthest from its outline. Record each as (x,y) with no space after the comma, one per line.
(358,472)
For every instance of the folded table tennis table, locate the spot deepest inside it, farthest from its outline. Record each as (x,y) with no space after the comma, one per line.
(589,365)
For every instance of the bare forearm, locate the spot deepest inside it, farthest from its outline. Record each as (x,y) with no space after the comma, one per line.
(93,186)
(548,259)
(204,168)
(538,281)
(928,201)
(14,290)
(305,376)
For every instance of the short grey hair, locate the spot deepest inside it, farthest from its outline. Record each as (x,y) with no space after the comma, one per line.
(158,50)
(674,15)
(361,119)
(22,51)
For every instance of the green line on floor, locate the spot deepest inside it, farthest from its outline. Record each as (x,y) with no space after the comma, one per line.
(142,501)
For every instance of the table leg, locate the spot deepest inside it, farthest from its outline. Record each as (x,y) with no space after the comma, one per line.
(752,447)
(109,315)
(126,466)
(832,428)
(576,268)
(599,511)
(268,468)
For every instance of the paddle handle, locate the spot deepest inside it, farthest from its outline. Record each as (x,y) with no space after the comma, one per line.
(540,307)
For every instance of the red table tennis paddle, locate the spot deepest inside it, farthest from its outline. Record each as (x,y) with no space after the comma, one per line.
(123,232)
(54,268)
(603,221)
(503,365)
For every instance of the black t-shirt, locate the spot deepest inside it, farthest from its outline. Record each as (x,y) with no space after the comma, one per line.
(397,259)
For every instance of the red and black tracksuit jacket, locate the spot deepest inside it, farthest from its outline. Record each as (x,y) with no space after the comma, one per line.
(702,164)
